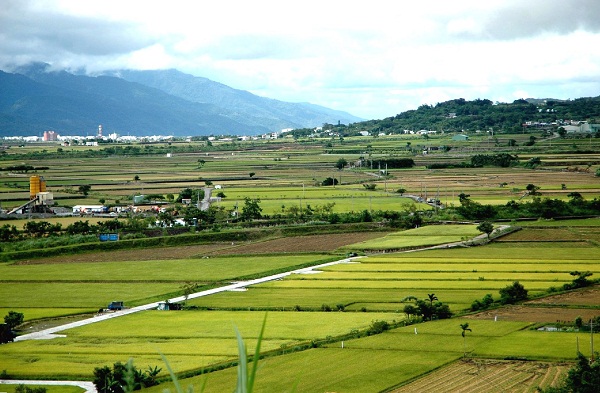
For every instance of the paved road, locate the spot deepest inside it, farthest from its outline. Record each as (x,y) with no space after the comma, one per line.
(88,386)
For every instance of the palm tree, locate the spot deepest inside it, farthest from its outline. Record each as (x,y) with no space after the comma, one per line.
(465,327)
(432,297)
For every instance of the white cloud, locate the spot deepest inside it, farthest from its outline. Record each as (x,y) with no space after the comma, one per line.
(372,59)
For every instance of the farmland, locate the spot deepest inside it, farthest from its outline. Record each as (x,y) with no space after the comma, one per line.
(317,324)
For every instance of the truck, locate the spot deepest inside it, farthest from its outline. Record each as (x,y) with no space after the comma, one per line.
(115,306)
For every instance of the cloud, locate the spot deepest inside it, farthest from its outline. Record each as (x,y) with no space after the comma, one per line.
(373,60)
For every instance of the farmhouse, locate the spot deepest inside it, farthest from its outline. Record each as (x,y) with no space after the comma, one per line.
(460,138)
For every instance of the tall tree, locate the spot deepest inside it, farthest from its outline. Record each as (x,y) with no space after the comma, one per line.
(465,328)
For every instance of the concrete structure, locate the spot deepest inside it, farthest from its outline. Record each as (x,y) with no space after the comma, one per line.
(460,138)
(89,209)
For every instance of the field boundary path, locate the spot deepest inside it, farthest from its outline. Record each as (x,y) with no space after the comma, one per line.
(51,332)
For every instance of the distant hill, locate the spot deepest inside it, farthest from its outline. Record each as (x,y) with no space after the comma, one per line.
(162,102)
(482,114)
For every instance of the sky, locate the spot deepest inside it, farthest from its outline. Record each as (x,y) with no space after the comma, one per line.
(373,59)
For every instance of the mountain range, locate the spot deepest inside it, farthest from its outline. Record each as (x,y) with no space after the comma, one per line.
(34,99)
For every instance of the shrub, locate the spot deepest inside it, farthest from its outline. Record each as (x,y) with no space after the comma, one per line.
(377,327)
(26,389)
(513,293)
(13,319)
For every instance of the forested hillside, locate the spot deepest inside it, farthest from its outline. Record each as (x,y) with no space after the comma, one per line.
(482,114)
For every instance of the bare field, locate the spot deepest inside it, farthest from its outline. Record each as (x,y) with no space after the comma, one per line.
(315,243)
(487,376)
(537,314)
(549,309)
(146,254)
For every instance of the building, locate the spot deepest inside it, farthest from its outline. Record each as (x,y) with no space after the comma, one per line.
(50,136)
(460,138)
(582,128)
(89,209)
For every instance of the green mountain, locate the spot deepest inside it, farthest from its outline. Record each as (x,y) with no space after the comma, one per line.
(481,114)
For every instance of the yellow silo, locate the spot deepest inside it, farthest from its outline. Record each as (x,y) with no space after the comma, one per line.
(34,186)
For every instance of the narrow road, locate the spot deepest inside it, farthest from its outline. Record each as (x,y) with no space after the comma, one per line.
(88,386)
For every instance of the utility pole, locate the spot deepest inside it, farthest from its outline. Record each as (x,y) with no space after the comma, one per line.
(386,174)
(592,337)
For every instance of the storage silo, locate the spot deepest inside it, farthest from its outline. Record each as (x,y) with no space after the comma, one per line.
(34,186)
(42,184)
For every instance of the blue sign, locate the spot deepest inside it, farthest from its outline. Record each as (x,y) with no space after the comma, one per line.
(108,237)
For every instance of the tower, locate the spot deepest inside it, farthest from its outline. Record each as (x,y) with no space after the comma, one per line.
(100,131)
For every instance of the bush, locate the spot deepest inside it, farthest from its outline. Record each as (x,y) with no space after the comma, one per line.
(13,319)
(482,304)
(26,389)
(6,334)
(377,327)
(513,293)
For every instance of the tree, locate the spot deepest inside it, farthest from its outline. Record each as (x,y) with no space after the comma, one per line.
(189,288)
(562,132)
(136,178)
(532,189)
(513,293)
(584,377)
(8,232)
(465,328)
(341,163)
(251,209)
(409,310)
(6,334)
(85,189)
(123,378)
(330,181)
(251,174)
(486,227)
(432,297)
(13,319)
(401,190)
(580,280)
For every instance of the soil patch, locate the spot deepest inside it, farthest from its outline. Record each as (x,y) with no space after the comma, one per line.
(314,243)
(145,254)
(550,309)
(296,244)
(486,376)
